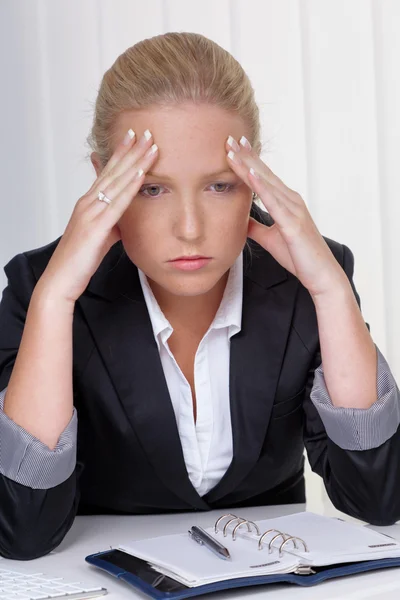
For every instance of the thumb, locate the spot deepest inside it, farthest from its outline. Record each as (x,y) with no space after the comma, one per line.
(257,231)
(113,237)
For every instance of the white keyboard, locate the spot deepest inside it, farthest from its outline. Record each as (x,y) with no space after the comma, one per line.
(16,585)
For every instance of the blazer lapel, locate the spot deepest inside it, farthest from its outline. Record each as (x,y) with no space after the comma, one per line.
(269,295)
(116,312)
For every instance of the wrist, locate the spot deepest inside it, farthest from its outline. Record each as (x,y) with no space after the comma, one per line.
(339,290)
(46,297)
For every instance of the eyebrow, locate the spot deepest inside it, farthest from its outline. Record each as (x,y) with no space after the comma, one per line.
(208,176)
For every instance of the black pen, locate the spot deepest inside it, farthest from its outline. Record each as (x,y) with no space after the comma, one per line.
(201,536)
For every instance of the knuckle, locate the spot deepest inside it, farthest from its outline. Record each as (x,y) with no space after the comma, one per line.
(296,196)
(83,210)
(81,205)
(83,200)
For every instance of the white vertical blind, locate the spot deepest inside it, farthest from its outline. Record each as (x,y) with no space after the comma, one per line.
(326,77)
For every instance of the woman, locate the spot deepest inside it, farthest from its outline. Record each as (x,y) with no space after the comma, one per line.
(177,347)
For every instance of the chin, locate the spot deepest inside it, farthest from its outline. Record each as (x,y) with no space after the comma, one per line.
(192,285)
(190,289)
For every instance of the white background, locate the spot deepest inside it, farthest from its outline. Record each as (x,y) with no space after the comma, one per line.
(327,79)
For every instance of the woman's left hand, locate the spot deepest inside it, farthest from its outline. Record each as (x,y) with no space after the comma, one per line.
(293,240)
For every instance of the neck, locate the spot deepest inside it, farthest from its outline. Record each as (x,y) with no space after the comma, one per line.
(190,313)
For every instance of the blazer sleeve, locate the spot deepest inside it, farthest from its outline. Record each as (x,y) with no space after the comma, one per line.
(27,460)
(360,428)
(29,505)
(360,460)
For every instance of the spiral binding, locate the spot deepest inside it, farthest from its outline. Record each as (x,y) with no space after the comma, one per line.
(250,524)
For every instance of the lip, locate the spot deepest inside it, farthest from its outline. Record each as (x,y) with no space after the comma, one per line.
(192,257)
(192,263)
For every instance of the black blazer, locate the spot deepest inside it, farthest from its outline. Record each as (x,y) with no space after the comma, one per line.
(129,456)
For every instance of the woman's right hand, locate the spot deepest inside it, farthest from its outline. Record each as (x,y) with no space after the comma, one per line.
(92,228)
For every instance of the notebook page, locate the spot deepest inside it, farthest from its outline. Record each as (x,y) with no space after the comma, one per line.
(329,540)
(192,564)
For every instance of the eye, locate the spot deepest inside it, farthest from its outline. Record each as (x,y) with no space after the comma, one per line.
(145,188)
(230,187)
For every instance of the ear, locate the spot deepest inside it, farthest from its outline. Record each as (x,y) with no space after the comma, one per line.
(94,157)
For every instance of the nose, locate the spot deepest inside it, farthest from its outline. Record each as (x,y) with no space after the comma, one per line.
(189,222)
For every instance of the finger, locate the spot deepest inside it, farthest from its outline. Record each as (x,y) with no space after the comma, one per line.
(135,153)
(256,230)
(118,185)
(270,195)
(250,158)
(126,163)
(271,239)
(121,150)
(122,190)
(262,234)
(111,185)
(271,198)
(127,152)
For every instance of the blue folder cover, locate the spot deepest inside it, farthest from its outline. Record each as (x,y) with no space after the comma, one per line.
(140,575)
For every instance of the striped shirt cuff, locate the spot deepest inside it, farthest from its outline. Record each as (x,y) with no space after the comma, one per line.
(360,428)
(28,461)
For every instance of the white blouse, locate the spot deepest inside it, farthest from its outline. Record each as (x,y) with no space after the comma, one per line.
(206,443)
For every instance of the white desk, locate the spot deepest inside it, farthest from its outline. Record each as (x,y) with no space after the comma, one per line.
(96,533)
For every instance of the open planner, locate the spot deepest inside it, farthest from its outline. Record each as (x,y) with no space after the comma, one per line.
(302,548)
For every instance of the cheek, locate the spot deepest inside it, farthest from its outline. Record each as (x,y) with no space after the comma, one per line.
(137,231)
(232,223)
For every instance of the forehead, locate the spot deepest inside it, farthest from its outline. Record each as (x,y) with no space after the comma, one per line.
(183,128)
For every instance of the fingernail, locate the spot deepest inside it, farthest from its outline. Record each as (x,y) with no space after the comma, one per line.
(152,150)
(128,137)
(255,175)
(145,137)
(233,144)
(245,142)
(233,156)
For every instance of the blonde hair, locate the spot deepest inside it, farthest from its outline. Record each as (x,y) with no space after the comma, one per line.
(170,69)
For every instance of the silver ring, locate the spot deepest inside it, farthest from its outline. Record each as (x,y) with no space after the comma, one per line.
(220,519)
(240,519)
(260,541)
(293,539)
(238,526)
(103,198)
(278,535)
